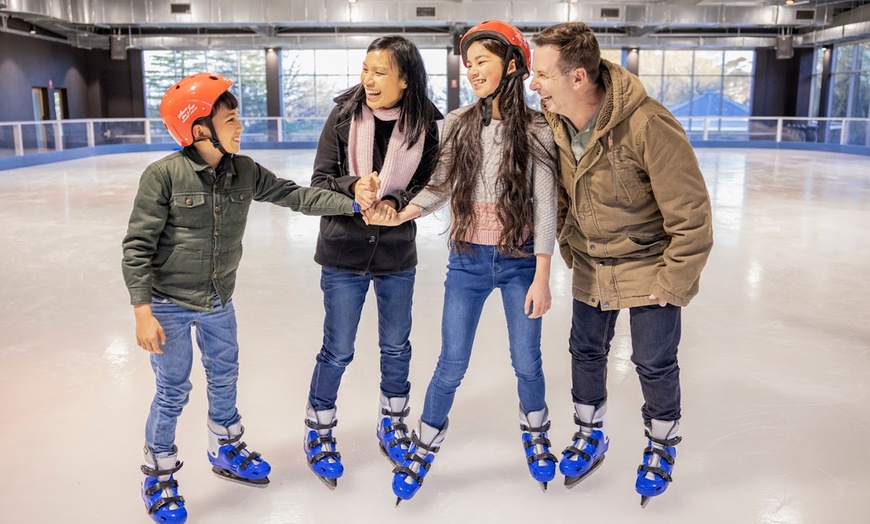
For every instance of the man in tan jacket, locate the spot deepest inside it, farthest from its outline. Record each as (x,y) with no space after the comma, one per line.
(635,226)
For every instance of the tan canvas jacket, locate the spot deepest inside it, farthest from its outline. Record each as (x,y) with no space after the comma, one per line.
(634,213)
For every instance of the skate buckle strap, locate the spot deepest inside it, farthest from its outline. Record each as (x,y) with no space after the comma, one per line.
(223,441)
(592,425)
(252,455)
(545,427)
(314,425)
(321,439)
(413,457)
(661,453)
(325,455)
(541,456)
(420,444)
(154,472)
(395,428)
(160,486)
(164,502)
(663,442)
(580,438)
(657,471)
(401,414)
(580,452)
(544,441)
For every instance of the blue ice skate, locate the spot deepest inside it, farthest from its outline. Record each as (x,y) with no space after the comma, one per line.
(230,458)
(654,475)
(408,477)
(319,446)
(160,490)
(392,431)
(542,463)
(586,452)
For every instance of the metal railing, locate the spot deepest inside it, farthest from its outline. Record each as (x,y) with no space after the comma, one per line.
(27,138)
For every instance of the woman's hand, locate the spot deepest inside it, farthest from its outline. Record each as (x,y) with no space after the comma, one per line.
(365,190)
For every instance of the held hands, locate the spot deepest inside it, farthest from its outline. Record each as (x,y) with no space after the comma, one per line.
(366,190)
(149,332)
(382,214)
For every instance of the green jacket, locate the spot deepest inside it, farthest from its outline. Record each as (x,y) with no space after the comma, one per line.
(634,213)
(184,240)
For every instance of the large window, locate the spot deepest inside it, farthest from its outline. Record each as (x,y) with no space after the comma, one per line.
(816,81)
(247,70)
(699,83)
(850,89)
(312,78)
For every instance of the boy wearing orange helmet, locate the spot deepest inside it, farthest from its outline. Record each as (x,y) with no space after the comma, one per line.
(181,253)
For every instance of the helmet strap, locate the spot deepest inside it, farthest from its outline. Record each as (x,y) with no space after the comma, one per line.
(505,76)
(214,140)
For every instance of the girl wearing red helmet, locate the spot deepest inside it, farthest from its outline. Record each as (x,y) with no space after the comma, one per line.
(497,168)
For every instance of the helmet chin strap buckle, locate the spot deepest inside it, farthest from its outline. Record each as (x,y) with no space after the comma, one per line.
(213,139)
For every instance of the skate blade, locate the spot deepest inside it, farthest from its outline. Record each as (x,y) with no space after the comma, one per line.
(644,500)
(398,500)
(543,486)
(232,477)
(385,453)
(570,482)
(329,483)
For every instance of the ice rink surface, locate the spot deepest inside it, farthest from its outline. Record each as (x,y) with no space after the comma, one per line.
(775,359)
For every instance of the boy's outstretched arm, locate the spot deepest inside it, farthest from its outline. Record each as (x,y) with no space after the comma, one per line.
(306,200)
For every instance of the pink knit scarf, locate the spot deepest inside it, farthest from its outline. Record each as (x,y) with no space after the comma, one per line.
(400,162)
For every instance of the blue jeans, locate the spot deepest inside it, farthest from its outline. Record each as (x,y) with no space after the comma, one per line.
(655,336)
(344,294)
(471,277)
(216,336)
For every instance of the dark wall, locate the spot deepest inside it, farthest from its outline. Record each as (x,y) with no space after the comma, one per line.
(782,87)
(96,86)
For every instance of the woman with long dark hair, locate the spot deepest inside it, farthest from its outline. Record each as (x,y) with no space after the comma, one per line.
(497,168)
(381,134)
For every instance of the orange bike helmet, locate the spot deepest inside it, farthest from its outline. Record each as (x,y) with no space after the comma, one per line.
(504,32)
(189,99)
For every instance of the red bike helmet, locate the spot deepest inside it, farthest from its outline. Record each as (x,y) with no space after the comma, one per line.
(504,32)
(189,99)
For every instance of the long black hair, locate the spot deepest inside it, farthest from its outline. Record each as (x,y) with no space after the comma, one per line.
(463,156)
(416,109)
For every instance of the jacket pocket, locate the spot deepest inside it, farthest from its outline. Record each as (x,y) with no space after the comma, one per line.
(180,271)
(649,245)
(630,174)
(189,210)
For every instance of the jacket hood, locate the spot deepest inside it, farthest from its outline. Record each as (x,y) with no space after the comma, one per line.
(624,93)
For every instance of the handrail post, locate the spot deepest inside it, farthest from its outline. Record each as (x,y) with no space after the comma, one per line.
(18,139)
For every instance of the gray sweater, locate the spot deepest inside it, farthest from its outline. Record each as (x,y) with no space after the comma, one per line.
(487,186)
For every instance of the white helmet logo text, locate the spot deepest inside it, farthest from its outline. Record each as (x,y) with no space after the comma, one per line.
(185,113)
